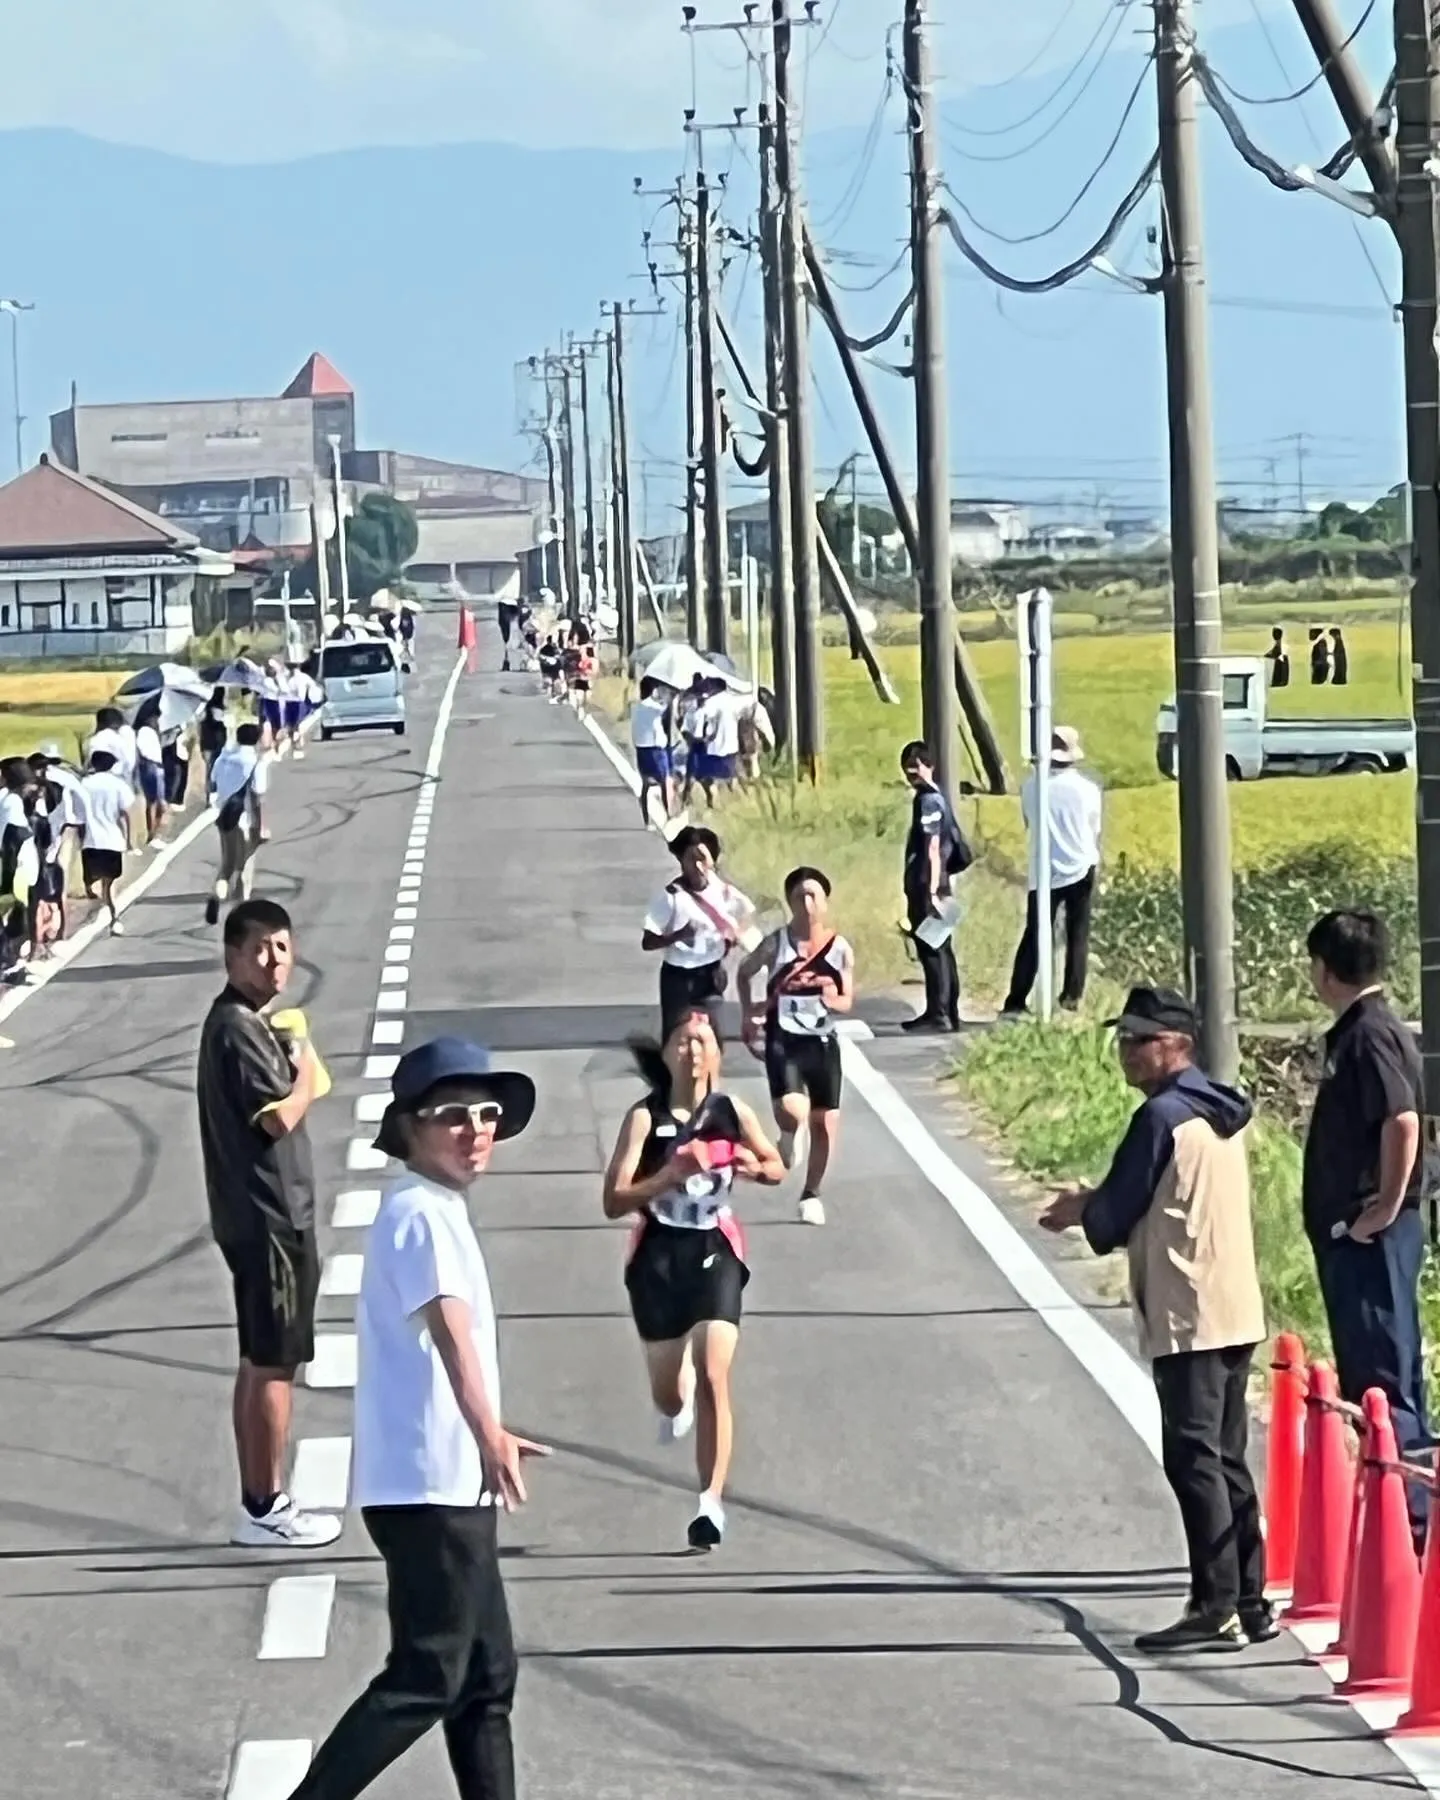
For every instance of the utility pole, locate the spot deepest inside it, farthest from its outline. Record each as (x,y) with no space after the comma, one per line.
(589,487)
(567,492)
(625,539)
(809,668)
(777,428)
(1417,111)
(855,568)
(686,246)
(717,595)
(1205,878)
(939,711)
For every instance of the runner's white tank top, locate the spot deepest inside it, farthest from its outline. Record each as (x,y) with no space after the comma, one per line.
(802,1014)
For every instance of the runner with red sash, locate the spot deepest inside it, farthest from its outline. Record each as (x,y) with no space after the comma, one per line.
(675,1163)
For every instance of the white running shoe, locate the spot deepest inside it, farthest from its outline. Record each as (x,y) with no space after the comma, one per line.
(116,928)
(812,1210)
(286,1527)
(707,1528)
(683,1423)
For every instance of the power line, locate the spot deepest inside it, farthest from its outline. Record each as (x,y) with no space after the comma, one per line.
(990,87)
(993,131)
(1314,82)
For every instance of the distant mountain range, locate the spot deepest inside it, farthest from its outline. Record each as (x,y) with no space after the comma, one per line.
(428,275)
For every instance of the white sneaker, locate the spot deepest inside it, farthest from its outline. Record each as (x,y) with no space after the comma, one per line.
(286,1527)
(707,1528)
(116,928)
(812,1210)
(683,1423)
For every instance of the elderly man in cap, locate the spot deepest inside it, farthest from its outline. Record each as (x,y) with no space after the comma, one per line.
(1073,806)
(1177,1198)
(434,1465)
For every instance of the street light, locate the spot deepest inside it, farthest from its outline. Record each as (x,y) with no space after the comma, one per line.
(15,308)
(340,526)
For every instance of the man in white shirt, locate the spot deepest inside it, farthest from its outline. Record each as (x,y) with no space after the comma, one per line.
(105,803)
(1074,807)
(239,782)
(650,718)
(434,1465)
(150,771)
(113,736)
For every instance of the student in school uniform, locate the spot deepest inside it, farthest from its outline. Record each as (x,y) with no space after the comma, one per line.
(693,925)
(650,719)
(106,799)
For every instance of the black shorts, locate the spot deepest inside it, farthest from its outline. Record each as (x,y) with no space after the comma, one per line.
(684,990)
(276,1283)
(507,614)
(796,1064)
(101,865)
(680,1278)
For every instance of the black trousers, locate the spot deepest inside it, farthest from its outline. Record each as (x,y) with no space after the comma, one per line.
(451,1663)
(938,966)
(1076,899)
(1372,1303)
(1204,1429)
(682,990)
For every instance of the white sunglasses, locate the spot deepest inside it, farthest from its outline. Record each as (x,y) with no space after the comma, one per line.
(454,1114)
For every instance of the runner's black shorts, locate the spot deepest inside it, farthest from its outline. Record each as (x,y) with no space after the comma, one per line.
(679,1278)
(798,1064)
(276,1282)
(508,613)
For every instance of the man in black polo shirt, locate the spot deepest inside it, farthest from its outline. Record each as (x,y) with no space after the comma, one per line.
(935,852)
(1363,1168)
(254,1094)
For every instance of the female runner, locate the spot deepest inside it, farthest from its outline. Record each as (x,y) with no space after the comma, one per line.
(695,923)
(810,978)
(674,1164)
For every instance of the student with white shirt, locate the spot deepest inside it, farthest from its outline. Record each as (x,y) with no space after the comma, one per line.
(105,803)
(58,814)
(434,1465)
(650,739)
(694,923)
(117,739)
(150,770)
(717,724)
(1075,809)
(15,784)
(239,782)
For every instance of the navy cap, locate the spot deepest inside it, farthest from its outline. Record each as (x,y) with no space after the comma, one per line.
(452,1061)
(1156,1012)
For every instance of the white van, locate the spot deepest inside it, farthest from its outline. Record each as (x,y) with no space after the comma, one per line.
(363,690)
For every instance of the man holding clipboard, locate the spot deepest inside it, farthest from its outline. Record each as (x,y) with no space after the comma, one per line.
(935,852)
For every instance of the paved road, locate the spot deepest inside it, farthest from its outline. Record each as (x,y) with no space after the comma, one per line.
(943,1534)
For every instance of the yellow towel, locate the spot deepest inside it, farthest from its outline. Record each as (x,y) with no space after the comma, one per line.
(292,1023)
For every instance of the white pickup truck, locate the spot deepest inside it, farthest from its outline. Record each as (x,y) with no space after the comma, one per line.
(1256,744)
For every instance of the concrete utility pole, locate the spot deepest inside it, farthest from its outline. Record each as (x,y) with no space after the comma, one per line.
(686,247)
(717,595)
(777,429)
(342,549)
(939,711)
(15,308)
(809,668)
(567,493)
(1205,877)
(589,485)
(625,539)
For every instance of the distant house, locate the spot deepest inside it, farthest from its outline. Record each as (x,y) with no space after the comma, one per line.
(85,572)
(475,523)
(984,532)
(1062,541)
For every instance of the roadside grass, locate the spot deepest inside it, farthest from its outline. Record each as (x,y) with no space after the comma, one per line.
(25,690)
(23,732)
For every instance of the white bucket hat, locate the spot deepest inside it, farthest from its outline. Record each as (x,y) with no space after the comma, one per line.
(1065,746)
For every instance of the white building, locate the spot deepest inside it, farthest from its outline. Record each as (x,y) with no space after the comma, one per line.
(984,532)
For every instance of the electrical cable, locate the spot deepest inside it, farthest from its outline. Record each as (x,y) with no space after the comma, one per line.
(860,175)
(989,87)
(994,131)
(869,287)
(1034,237)
(1315,80)
(1079,265)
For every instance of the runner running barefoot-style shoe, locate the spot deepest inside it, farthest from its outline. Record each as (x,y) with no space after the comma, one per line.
(285,1527)
(707,1528)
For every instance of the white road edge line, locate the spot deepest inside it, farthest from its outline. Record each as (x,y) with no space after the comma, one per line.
(320,1479)
(388,1031)
(334,1362)
(355,1208)
(1104,1359)
(269,1768)
(341,1274)
(297,1618)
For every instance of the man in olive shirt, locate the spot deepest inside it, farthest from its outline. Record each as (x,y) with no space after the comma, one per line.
(254,1094)
(1362,1180)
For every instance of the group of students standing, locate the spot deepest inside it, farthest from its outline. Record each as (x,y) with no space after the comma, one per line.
(708,737)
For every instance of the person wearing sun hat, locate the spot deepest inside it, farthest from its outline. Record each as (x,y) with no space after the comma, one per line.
(434,1465)
(1074,807)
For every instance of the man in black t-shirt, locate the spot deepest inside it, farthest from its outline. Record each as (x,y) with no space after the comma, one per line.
(935,852)
(1362,1179)
(254,1093)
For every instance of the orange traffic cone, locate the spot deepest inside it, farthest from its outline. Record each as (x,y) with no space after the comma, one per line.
(1424,1713)
(1339,1651)
(1387,1582)
(1284,1455)
(1325,1503)
(467,629)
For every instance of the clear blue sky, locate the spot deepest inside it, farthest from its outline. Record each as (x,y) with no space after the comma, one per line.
(1052,396)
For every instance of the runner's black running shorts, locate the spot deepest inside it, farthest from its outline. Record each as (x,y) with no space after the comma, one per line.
(797,1064)
(680,1278)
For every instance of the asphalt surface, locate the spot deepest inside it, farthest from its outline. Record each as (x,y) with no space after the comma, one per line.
(942,1533)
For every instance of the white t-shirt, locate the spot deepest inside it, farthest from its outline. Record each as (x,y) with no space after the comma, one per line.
(12,812)
(119,742)
(412,1446)
(647,725)
(1075,810)
(71,810)
(232,770)
(677,906)
(147,745)
(718,723)
(105,802)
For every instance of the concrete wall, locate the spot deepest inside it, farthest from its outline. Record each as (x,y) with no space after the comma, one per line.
(163,443)
(85,646)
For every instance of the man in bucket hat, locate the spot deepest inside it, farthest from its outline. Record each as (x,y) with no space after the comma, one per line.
(1074,808)
(434,1465)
